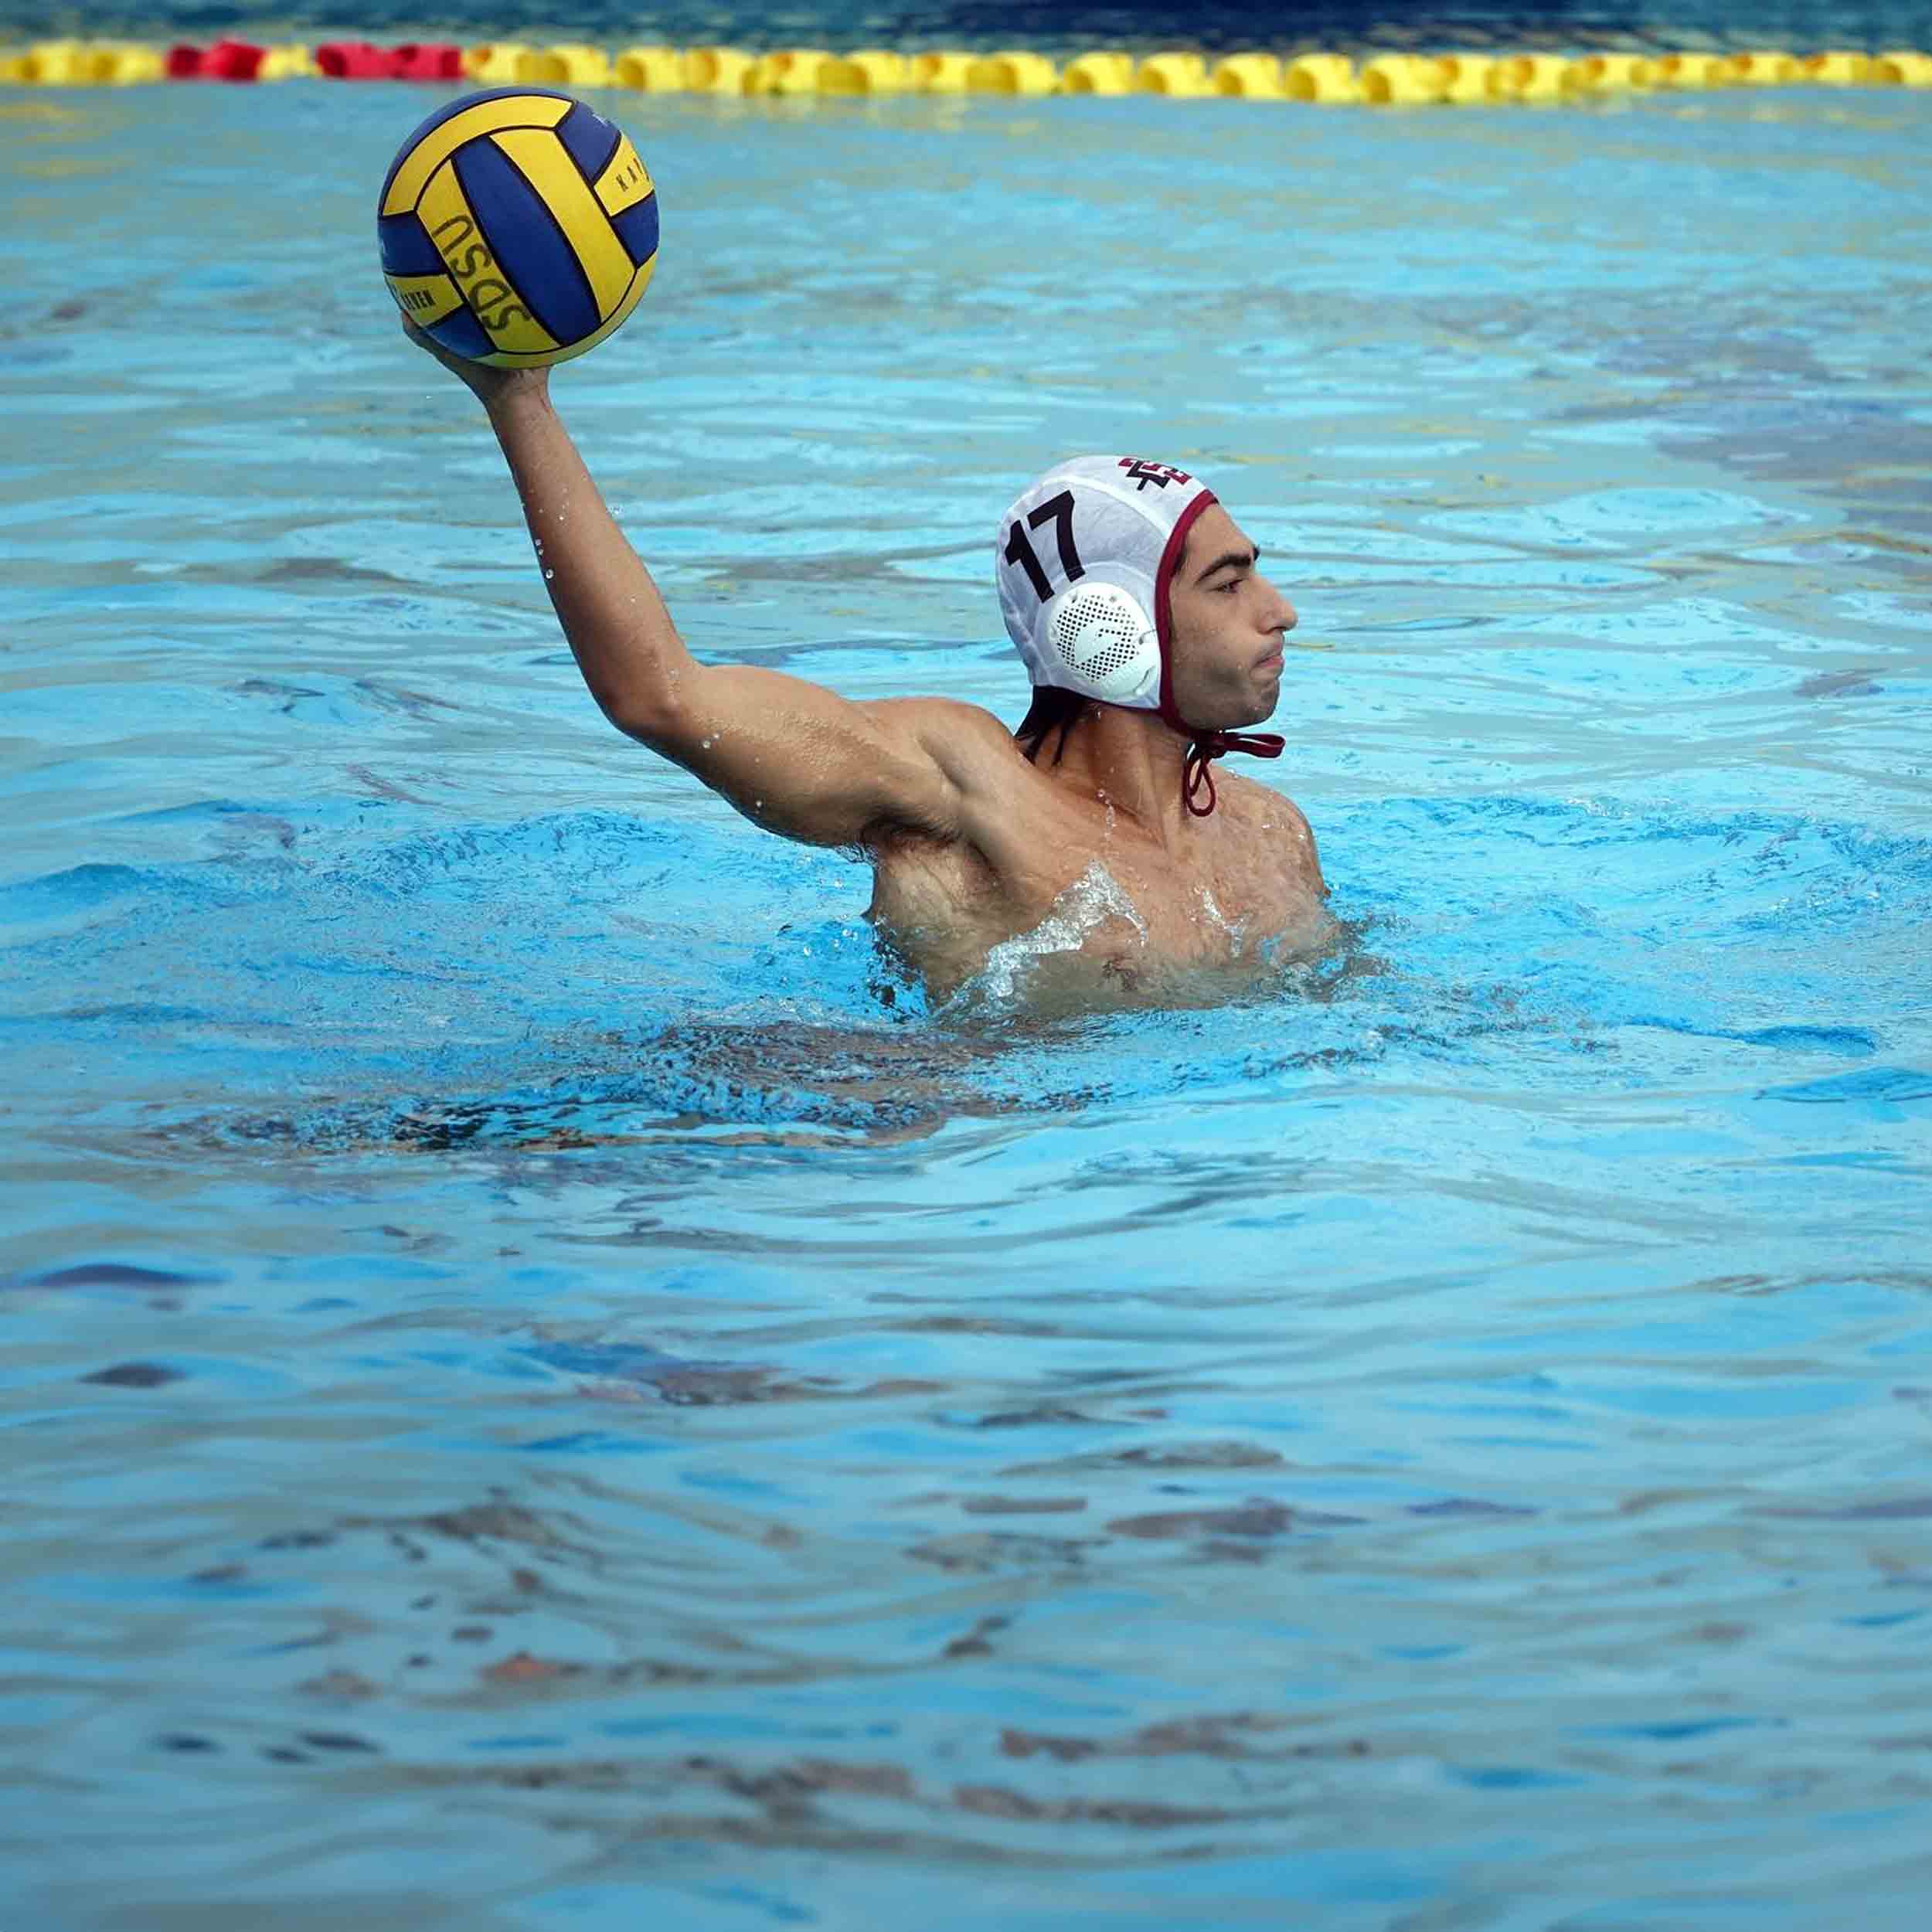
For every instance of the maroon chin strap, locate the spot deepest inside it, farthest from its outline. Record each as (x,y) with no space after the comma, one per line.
(1206,746)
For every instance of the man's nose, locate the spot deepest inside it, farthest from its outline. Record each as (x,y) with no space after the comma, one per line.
(1286,617)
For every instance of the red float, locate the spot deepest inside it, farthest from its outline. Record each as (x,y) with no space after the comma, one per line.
(428,60)
(353,60)
(233,60)
(225,60)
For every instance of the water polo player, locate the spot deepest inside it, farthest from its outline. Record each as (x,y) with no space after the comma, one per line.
(1152,639)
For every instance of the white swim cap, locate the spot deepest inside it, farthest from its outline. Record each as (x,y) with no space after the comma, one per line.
(1085,560)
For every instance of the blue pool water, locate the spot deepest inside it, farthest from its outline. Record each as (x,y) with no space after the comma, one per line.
(532,1395)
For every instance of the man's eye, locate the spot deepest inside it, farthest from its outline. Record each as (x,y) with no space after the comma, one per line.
(1232,583)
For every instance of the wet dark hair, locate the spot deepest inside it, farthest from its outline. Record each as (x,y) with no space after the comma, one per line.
(1052,709)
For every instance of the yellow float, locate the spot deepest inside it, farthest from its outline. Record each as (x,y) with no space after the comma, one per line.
(1183,76)
(939,73)
(1248,77)
(1765,67)
(1901,67)
(1098,74)
(1403,80)
(1328,78)
(789,70)
(565,64)
(871,70)
(1839,68)
(1606,74)
(1011,73)
(650,70)
(1537,78)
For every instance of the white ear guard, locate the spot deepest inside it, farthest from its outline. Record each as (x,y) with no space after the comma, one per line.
(1100,642)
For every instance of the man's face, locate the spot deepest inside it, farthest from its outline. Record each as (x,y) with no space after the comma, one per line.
(1228,621)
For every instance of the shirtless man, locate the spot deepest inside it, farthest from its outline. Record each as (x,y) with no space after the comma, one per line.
(1151,637)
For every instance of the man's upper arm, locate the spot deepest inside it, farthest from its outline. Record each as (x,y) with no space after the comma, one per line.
(802,761)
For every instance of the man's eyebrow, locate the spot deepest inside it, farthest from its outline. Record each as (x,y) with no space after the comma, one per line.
(1247,560)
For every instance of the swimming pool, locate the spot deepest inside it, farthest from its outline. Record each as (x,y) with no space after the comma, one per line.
(531,1392)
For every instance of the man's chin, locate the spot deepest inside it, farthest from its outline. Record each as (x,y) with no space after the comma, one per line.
(1262,700)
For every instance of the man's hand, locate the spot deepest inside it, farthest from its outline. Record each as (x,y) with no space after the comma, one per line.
(492,387)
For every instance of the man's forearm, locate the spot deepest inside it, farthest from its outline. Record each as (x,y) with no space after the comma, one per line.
(622,636)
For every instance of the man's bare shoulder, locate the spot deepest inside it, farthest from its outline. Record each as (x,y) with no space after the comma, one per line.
(964,739)
(944,715)
(1272,816)
(999,792)
(1281,813)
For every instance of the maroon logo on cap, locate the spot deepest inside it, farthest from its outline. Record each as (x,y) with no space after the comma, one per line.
(1159,475)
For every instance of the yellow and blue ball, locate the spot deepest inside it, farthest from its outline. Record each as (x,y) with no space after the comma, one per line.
(518,227)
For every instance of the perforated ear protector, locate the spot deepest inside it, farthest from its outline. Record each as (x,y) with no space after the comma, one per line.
(1105,643)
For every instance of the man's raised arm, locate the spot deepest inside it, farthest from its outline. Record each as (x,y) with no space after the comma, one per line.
(797,758)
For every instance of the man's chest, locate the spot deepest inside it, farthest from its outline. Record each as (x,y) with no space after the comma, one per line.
(1216,905)
(1242,892)
(1246,880)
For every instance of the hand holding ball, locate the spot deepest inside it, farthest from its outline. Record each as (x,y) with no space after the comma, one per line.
(518,228)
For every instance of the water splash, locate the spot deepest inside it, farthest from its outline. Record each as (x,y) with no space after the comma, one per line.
(1003,984)
(1236,929)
